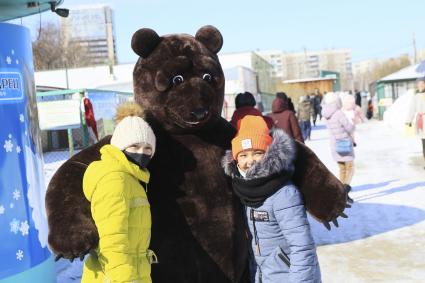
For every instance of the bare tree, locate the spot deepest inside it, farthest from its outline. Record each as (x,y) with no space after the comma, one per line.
(380,70)
(51,51)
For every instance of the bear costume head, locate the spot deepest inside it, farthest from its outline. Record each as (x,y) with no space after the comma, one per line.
(178,78)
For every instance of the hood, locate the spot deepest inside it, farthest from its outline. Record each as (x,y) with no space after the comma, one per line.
(112,160)
(279,158)
(330,108)
(348,102)
(279,105)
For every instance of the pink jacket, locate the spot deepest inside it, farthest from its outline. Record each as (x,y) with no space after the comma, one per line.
(339,128)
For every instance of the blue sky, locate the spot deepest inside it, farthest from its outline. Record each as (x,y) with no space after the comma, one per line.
(371,29)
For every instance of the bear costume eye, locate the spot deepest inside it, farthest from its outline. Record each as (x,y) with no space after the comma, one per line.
(178,80)
(207,77)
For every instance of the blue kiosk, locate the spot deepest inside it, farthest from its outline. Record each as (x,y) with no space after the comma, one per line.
(24,253)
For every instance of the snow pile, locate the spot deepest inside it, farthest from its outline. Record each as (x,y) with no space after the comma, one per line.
(36,193)
(395,115)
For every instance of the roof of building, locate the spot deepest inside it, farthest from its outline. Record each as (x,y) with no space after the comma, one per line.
(406,74)
(13,9)
(327,78)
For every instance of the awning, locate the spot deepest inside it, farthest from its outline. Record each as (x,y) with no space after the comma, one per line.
(13,9)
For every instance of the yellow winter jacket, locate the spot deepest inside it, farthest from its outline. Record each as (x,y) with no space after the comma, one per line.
(121,211)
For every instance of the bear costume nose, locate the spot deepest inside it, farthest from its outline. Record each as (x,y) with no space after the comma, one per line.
(199,113)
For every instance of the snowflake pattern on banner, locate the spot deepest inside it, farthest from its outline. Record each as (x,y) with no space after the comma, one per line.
(14,226)
(8,145)
(11,205)
(10,59)
(24,228)
(16,194)
(21,118)
(19,255)
(2,209)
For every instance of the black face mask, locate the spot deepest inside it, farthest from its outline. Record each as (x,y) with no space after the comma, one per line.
(140,159)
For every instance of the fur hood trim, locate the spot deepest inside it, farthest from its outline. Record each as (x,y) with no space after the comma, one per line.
(279,157)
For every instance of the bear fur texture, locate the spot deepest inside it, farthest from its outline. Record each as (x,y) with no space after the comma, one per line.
(198,228)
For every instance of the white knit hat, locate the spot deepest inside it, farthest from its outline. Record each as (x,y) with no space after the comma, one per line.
(132,130)
(331,97)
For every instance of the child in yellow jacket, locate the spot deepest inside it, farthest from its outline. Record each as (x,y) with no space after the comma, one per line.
(119,206)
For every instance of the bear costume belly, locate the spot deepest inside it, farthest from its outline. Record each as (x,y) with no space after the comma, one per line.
(197,230)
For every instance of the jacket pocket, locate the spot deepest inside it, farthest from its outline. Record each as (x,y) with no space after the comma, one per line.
(273,265)
(284,257)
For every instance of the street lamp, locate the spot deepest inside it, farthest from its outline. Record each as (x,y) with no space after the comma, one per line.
(61,12)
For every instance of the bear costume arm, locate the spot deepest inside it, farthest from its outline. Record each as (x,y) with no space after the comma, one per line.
(324,195)
(72,232)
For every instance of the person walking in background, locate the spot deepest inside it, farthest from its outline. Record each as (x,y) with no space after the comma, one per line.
(245,105)
(416,111)
(119,204)
(341,131)
(261,166)
(317,108)
(285,119)
(285,97)
(369,111)
(305,111)
(358,98)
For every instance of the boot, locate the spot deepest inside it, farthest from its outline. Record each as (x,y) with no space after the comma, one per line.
(348,189)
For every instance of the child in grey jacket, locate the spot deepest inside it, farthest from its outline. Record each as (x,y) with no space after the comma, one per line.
(261,167)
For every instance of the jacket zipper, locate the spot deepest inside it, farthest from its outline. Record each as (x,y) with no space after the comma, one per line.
(257,244)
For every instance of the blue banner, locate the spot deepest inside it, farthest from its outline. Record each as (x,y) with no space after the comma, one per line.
(23,225)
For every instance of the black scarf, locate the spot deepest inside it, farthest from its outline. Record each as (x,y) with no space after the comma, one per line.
(254,192)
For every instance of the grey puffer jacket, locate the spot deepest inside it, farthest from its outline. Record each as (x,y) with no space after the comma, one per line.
(279,227)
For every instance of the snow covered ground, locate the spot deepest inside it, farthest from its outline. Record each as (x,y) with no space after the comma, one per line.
(383,239)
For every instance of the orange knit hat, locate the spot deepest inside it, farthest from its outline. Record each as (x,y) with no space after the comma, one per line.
(253,133)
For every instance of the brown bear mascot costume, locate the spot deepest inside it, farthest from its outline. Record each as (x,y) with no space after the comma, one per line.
(198,228)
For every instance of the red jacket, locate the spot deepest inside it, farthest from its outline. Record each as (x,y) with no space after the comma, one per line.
(285,119)
(89,116)
(248,110)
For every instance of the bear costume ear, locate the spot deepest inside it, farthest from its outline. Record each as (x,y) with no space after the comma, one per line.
(144,42)
(210,37)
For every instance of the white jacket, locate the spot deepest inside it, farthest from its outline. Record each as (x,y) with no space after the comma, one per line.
(416,107)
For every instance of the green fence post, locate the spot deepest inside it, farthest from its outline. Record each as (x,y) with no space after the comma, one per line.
(70,143)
